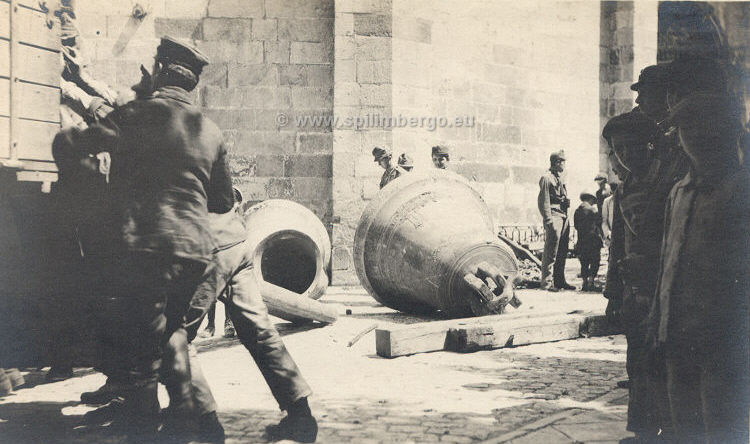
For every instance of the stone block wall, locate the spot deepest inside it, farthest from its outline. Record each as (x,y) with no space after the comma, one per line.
(628,43)
(268,58)
(362,74)
(525,71)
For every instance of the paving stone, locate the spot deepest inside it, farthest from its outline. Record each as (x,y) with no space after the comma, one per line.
(546,436)
(594,431)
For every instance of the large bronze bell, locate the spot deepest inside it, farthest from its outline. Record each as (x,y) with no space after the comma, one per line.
(427,243)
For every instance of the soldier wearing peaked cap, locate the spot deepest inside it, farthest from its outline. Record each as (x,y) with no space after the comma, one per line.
(553,205)
(384,158)
(441,156)
(603,192)
(405,162)
(168,171)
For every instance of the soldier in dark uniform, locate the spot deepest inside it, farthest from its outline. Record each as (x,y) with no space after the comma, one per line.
(168,171)
(669,162)
(633,259)
(699,319)
(603,192)
(384,158)
(553,205)
(441,156)
(588,224)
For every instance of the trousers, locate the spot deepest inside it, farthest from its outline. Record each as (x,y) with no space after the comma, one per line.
(709,392)
(590,261)
(147,296)
(556,238)
(240,292)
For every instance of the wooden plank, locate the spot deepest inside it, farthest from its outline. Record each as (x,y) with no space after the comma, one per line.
(430,336)
(4,20)
(39,102)
(38,165)
(34,30)
(35,139)
(4,97)
(36,102)
(4,137)
(433,336)
(36,176)
(514,333)
(4,58)
(294,307)
(38,65)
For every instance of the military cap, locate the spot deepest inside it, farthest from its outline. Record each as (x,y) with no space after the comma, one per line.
(404,160)
(708,108)
(600,176)
(380,153)
(181,53)
(557,155)
(654,75)
(633,126)
(440,150)
(587,195)
(688,75)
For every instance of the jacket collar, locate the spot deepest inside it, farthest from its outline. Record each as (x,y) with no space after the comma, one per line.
(174,93)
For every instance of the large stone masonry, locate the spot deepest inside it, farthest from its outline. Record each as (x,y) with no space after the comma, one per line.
(268,58)
(529,88)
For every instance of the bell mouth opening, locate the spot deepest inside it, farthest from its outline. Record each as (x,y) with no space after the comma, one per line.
(289,260)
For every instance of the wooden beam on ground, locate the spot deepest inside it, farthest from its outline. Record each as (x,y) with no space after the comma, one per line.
(519,250)
(494,331)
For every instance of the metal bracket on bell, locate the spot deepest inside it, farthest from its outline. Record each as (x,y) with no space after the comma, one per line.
(503,284)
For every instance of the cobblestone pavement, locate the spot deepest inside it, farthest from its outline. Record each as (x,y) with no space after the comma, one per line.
(557,392)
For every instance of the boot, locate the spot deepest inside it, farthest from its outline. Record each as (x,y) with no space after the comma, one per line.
(6,387)
(229,331)
(105,413)
(298,425)
(210,429)
(16,378)
(56,374)
(104,394)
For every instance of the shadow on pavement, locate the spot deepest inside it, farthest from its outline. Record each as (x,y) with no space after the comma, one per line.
(38,422)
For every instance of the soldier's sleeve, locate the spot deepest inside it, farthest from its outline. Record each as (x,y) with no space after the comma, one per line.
(543,200)
(220,193)
(101,136)
(613,288)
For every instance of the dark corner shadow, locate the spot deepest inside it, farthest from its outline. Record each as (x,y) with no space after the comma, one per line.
(40,422)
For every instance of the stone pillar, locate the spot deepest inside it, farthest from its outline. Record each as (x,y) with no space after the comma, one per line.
(628,43)
(616,67)
(362,98)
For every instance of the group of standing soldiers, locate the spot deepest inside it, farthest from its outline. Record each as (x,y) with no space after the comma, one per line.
(384,158)
(678,280)
(159,237)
